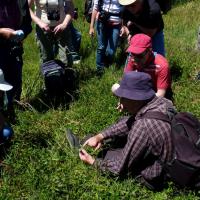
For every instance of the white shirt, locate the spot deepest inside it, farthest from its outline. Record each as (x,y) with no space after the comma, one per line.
(41,10)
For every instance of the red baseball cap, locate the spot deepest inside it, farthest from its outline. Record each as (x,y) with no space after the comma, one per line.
(139,43)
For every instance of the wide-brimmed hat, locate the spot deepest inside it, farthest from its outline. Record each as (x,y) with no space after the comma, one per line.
(135,86)
(126,2)
(139,43)
(4,86)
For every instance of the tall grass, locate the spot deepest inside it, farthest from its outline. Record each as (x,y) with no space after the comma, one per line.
(40,164)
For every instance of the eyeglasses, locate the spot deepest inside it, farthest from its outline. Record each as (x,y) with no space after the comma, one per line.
(139,56)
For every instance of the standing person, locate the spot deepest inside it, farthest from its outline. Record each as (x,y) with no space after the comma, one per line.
(52,30)
(144,16)
(142,58)
(15,25)
(107,14)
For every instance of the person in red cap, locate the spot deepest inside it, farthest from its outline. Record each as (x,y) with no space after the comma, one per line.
(142,58)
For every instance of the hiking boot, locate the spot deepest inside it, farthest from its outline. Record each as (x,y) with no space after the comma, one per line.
(72,139)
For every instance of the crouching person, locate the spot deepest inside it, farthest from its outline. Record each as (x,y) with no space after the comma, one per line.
(139,145)
(6,131)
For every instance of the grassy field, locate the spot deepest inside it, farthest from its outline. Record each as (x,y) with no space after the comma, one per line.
(40,164)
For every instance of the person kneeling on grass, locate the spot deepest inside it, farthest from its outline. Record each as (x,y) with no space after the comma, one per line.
(142,58)
(138,144)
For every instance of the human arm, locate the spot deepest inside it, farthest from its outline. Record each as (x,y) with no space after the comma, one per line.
(68,17)
(163,76)
(7,33)
(94,14)
(37,20)
(161,92)
(119,161)
(121,128)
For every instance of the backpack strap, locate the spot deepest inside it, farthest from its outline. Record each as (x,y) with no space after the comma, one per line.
(157,115)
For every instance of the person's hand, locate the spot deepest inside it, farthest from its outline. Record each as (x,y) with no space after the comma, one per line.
(91,32)
(120,107)
(59,28)
(129,38)
(95,141)
(86,157)
(124,31)
(45,27)
(7,33)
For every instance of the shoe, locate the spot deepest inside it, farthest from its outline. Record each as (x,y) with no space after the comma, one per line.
(72,139)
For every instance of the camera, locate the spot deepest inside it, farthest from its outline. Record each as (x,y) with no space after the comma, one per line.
(53,15)
(104,16)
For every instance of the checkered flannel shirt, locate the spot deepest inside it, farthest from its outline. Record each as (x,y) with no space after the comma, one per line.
(150,135)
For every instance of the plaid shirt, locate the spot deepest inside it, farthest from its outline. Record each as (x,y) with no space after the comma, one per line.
(144,135)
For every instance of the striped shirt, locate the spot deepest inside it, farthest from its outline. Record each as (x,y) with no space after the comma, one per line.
(144,135)
(111,6)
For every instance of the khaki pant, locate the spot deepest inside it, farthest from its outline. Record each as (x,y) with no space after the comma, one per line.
(49,45)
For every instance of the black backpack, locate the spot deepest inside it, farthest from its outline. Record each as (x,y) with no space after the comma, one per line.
(184,169)
(165,5)
(57,78)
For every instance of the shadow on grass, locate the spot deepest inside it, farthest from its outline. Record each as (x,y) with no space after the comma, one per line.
(176,71)
(42,102)
(38,139)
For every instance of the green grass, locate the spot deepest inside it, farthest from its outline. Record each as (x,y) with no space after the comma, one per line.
(40,164)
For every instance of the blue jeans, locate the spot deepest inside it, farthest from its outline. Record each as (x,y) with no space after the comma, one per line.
(107,37)
(158,44)
(76,37)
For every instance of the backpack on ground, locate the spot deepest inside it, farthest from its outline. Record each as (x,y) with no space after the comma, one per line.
(184,169)
(57,78)
(165,5)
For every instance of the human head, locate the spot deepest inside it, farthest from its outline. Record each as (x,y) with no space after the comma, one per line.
(133,6)
(134,90)
(140,48)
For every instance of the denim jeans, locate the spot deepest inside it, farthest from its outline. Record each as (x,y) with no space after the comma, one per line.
(107,37)
(76,37)
(158,44)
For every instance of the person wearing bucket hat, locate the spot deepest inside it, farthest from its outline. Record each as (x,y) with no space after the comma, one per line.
(134,136)
(142,58)
(144,16)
